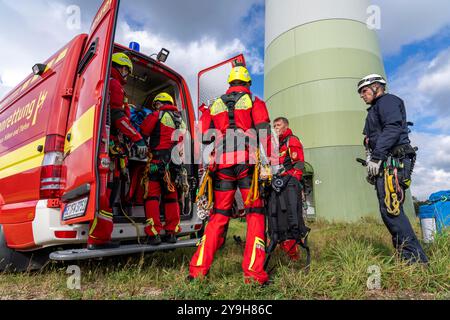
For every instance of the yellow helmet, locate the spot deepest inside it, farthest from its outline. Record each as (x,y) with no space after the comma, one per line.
(122,60)
(239,73)
(163,97)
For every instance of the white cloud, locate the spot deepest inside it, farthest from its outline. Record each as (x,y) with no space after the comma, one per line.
(424,85)
(199,33)
(190,58)
(405,21)
(432,172)
(31,32)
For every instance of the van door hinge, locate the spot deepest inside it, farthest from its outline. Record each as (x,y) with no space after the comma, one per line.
(67,93)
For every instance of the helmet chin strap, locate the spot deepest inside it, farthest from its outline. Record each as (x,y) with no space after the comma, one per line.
(375,92)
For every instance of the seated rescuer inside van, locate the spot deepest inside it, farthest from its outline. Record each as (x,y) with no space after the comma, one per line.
(160,175)
(390,162)
(290,164)
(102,226)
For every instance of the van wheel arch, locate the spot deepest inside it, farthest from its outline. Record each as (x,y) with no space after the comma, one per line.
(15,261)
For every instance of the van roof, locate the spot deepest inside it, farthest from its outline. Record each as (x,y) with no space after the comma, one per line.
(146,57)
(22,87)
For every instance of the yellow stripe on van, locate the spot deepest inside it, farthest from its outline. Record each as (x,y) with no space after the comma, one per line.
(61,55)
(81,131)
(23,159)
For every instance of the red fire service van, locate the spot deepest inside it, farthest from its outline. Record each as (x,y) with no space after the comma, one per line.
(54,140)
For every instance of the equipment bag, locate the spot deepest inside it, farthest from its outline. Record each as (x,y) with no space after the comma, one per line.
(285,215)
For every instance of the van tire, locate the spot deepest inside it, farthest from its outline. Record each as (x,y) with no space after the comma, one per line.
(15,261)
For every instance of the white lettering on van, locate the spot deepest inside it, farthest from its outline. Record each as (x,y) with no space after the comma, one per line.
(27,112)
(42,97)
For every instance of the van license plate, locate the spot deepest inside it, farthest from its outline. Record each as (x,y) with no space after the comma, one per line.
(75,209)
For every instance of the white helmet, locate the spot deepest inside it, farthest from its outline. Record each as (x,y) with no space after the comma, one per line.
(371,79)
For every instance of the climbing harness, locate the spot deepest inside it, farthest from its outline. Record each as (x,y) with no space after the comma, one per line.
(183,188)
(204,199)
(394,191)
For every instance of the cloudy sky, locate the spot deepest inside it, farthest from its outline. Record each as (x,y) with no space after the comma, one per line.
(414,36)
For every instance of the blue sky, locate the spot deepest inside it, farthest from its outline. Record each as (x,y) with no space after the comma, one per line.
(414,39)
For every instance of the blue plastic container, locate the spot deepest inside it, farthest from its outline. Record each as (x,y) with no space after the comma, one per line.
(441,203)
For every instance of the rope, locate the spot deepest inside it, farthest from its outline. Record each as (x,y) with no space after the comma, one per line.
(146,175)
(168,180)
(132,222)
(253,193)
(391,199)
(205,203)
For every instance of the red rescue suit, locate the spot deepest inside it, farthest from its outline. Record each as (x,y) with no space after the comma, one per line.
(102,226)
(160,126)
(235,110)
(291,156)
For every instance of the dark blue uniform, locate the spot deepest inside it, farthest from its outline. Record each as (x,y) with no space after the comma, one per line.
(386,128)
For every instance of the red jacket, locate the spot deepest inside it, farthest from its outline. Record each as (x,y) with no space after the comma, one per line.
(248,114)
(120,111)
(159,126)
(291,154)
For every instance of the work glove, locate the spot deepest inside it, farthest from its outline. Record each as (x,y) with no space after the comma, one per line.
(141,149)
(373,167)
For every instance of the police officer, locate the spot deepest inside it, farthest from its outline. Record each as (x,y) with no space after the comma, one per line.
(102,226)
(160,178)
(386,138)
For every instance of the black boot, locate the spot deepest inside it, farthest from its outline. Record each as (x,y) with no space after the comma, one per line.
(154,240)
(170,238)
(108,245)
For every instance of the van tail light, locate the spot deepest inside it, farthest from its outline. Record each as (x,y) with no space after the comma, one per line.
(52,166)
(65,234)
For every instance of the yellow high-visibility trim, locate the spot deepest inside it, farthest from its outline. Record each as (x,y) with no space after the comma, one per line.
(151,224)
(94,224)
(258,241)
(168,121)
(106,214)
(218,107)
(23,159)
(202,249)
(81,131)
(244,103)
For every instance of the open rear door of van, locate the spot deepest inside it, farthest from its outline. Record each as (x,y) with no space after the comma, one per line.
(86,123)
(213,81)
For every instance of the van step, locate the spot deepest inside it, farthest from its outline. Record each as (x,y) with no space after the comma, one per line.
(85,254)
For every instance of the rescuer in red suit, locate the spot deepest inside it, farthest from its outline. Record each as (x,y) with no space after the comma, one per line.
(292,158)
(239,112)
(160,126)
(101,228)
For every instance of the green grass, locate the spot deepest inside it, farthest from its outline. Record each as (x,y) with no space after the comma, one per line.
(341,255)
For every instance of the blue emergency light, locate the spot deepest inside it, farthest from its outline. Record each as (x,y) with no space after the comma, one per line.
(135,46)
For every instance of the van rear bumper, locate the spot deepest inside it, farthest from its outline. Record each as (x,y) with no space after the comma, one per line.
(47,229)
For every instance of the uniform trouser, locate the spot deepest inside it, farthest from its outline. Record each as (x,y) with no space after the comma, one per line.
(152,208)
(101,227)
(403,237)
(291,248)
(226,182)
(136,192)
